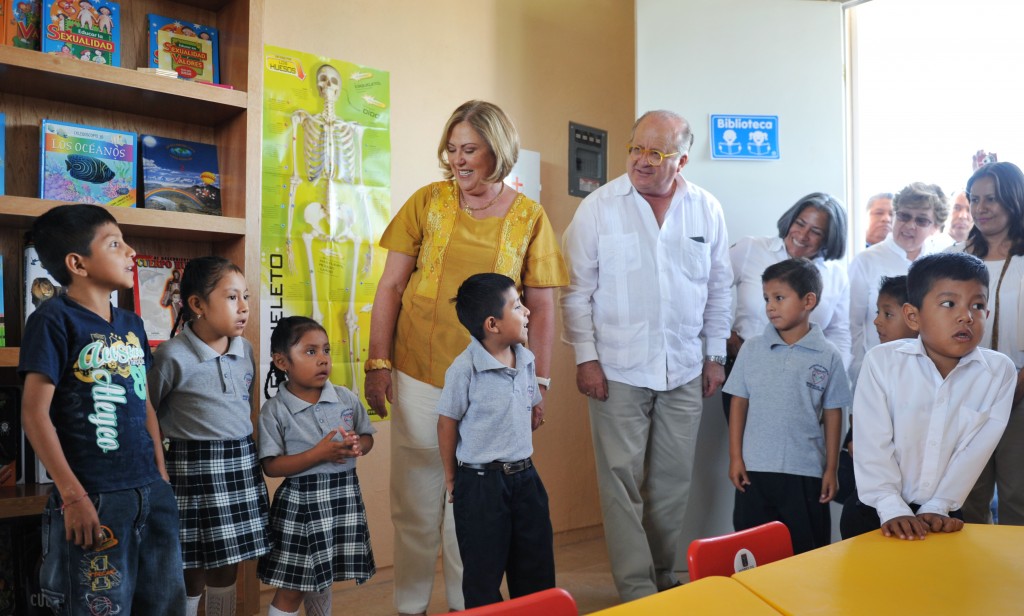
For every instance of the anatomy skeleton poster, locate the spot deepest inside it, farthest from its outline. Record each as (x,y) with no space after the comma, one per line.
(326,200)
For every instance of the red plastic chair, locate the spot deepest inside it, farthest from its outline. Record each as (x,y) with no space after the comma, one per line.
(550,602)
(738,551)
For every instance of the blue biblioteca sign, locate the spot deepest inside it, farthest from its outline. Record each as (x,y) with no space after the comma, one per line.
(744,137)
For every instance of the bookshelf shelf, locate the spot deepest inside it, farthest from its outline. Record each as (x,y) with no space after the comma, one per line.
(36,86)
(135,222)
(18,501)
(30,73)
(9,359)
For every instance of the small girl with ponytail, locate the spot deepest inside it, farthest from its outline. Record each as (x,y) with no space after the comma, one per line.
(311,431)
(201,385)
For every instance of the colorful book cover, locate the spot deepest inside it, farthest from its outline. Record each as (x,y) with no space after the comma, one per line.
(89,30)
(39,286)
(87,164)
(20,26)
(3,141)
(158,294)
(179,175)
(191,50)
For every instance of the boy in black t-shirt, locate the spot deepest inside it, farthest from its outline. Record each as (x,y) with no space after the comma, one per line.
(111,523)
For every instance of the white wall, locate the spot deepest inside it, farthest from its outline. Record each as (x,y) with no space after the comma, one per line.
(757,57)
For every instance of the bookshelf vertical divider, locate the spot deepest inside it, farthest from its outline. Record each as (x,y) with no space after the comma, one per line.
(34,86)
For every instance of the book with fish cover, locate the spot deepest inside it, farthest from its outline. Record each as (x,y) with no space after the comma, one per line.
(88,30)
(179,175)
(87,164)
(158,294)
(21,18)
(189,49)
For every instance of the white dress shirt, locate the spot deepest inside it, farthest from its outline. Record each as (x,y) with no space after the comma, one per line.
(641,298)
(885,258)
(921,438)
(752,255)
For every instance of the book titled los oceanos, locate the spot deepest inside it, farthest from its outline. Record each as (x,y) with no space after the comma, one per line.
(87,164)
(88,30)
(191,50)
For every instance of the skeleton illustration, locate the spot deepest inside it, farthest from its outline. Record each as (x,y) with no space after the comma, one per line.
(332,152)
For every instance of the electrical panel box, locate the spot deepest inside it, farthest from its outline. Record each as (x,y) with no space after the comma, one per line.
(588,159)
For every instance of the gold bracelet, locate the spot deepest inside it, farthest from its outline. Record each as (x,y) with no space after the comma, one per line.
(377,364)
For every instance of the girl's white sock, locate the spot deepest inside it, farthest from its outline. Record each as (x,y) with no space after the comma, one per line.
(220,601)
(192,605)
(273,611)
(318,603)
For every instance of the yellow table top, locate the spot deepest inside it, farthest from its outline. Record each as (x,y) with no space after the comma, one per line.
(979,570)
(711,596)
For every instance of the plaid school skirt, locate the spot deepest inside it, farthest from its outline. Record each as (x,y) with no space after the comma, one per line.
(318,527)
(222,501)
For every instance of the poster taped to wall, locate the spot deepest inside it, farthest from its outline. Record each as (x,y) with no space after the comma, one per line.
(326,200)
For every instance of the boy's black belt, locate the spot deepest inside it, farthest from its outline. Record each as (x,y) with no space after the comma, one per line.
(509,468)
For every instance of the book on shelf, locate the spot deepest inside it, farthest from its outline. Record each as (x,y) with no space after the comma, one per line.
(87,164)
(39,286)
(191,50)
(179,175)
(20,27)
(88,30)
(10,435)
(158,294)
(158,72)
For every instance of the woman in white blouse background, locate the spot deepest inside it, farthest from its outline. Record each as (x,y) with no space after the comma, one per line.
(919,210)
(996,193)
(814,228)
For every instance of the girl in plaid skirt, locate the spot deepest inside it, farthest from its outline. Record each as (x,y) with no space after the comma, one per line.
(311,432)
(201,385)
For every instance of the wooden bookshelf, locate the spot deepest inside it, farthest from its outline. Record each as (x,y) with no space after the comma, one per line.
(36,86)
(19,501)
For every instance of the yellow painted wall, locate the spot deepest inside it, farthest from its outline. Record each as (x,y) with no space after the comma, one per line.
(546,63)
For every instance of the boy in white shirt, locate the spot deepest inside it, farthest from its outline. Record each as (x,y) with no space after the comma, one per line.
(931,410)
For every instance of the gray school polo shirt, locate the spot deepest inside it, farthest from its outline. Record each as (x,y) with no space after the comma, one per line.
(788,388)
(492,403)
(198,394)
(290,425)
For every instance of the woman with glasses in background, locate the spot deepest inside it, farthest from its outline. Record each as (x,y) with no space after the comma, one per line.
(813,228)
(920,210)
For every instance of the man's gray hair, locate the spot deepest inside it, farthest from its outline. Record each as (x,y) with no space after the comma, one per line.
(683,136)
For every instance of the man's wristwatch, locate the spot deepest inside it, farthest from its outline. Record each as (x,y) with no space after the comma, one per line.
(718,359)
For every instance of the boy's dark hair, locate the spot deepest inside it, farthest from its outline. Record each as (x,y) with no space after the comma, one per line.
(895,287)
(800,274)
(200,277)
(286,334)
(66,229)
(925,271)
(480,297)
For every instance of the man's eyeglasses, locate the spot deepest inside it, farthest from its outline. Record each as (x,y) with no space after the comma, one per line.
(654,157)
(921,221)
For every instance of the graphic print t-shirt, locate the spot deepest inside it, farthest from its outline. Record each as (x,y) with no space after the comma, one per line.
(99,405)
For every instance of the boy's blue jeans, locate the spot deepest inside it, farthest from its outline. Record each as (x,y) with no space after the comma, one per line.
(139,574)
